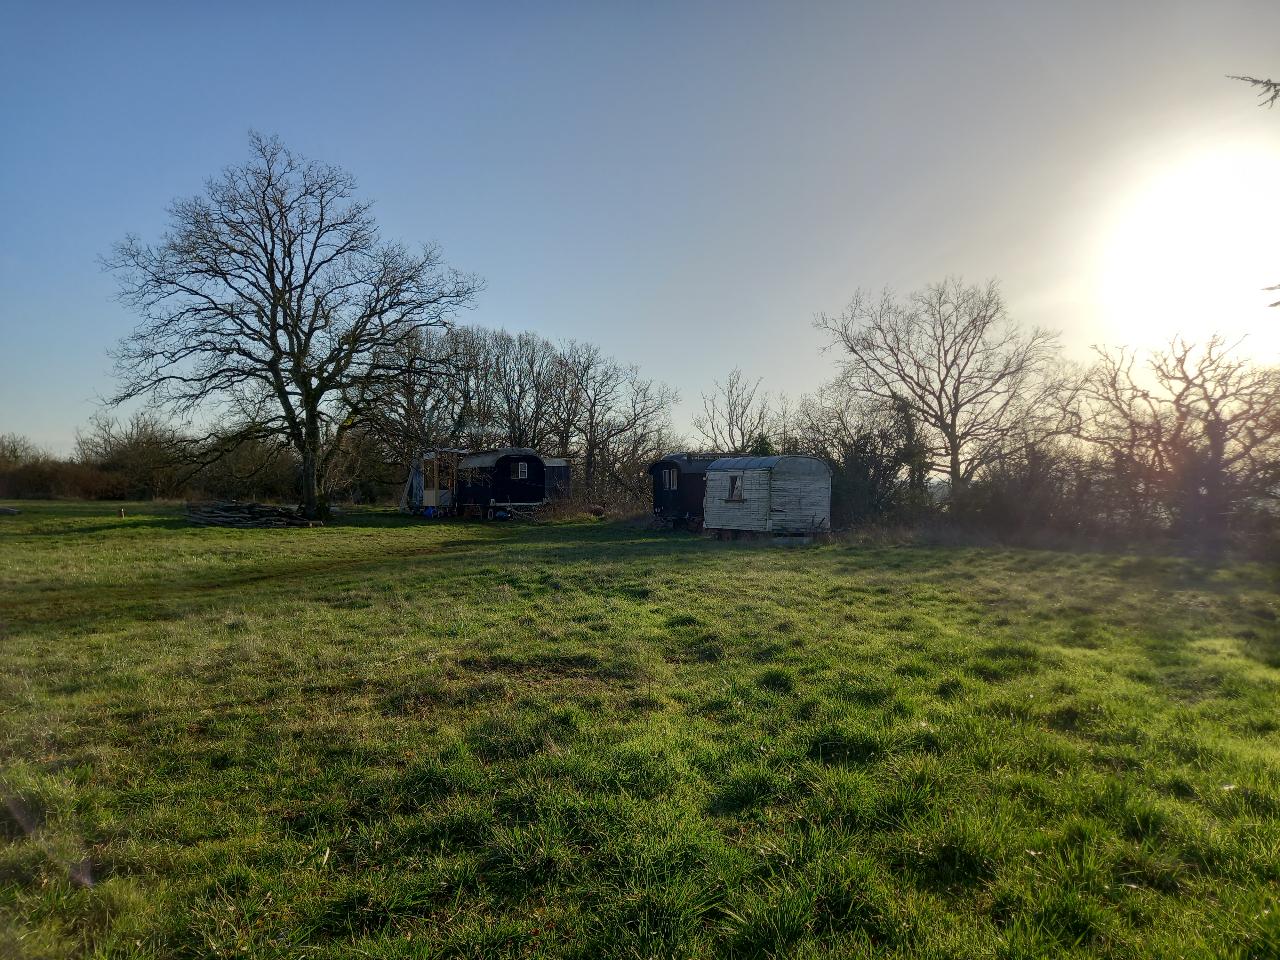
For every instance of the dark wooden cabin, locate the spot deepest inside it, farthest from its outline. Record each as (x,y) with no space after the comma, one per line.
(557,478)
(679,481)
(510,477)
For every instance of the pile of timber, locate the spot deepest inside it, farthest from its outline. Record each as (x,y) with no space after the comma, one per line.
(233,513)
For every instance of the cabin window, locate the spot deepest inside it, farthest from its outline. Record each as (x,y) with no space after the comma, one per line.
(520,471)
(669,479)
(735,487)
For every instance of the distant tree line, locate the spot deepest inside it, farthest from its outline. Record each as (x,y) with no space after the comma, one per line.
(288,353)
(472,388)
(273,308)
(463,387)
(944,409)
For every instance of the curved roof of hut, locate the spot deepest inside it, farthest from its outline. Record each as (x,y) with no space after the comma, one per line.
(487,458)
(697,462)
(759,463)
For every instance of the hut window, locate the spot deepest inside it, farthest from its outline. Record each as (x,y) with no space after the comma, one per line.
(735,487)
(520,471)
(669,479)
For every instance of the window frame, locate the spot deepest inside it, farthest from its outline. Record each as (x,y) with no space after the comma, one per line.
(736,493)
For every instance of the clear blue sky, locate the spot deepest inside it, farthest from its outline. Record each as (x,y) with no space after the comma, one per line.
(686,184)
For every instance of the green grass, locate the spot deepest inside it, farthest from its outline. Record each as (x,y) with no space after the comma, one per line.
(391,738)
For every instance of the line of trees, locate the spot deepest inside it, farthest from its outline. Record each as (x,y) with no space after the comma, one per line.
(474,388)
(943,406)
(146,457)
(288,352)
(273,308)
(460,387)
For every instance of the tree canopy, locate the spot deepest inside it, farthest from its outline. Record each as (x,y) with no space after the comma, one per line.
(273,296)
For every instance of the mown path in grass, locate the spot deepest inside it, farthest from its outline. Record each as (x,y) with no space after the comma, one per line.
(392,738)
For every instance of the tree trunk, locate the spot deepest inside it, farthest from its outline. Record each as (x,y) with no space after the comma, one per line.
(956,474)
(311,503)
(1214,512)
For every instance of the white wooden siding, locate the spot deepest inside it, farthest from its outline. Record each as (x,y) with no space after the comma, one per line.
(749,513)
(794,495)
(801,496)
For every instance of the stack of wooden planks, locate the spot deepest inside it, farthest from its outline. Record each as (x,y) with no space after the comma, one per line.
(233,513)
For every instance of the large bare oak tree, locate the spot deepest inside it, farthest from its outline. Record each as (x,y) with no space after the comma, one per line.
(272,291)
(948,355)
(1195,431)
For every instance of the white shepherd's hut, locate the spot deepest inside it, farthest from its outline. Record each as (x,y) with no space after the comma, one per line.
(789,495)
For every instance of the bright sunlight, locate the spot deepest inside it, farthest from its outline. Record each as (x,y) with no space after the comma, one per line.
(1191,249)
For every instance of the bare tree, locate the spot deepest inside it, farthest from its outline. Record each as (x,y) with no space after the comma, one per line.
(1191,433)
(418,409)
(573,365)
(524,371)
(735,415)
(616,409)
(785,416)
(638,433)
(143,453)
(877,464)
(476,388)
(949,355)
(16,450)
(274,282)
(477,420)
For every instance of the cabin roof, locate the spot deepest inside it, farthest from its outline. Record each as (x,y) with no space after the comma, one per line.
(456,451)
(688,461)
(755,463)
(487,458)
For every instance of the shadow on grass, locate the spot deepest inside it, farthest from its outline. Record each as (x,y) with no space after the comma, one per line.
(123,525)
(476,550)
(461,552)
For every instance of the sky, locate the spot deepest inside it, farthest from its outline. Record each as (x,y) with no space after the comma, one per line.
(685,184)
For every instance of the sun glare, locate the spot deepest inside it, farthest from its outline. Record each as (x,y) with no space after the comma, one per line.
(1191,249)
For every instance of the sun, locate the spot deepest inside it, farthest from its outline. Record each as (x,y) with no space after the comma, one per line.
(1190,249)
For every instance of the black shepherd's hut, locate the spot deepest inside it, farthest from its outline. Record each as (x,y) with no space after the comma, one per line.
(557,474)
(679,481)
(509,477)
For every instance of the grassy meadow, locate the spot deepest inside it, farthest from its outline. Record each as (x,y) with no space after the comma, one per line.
(389,738)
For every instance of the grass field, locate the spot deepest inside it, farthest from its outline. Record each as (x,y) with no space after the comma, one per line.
(388,738)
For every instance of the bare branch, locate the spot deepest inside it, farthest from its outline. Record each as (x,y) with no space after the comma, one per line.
(274,282)
(1268,90)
